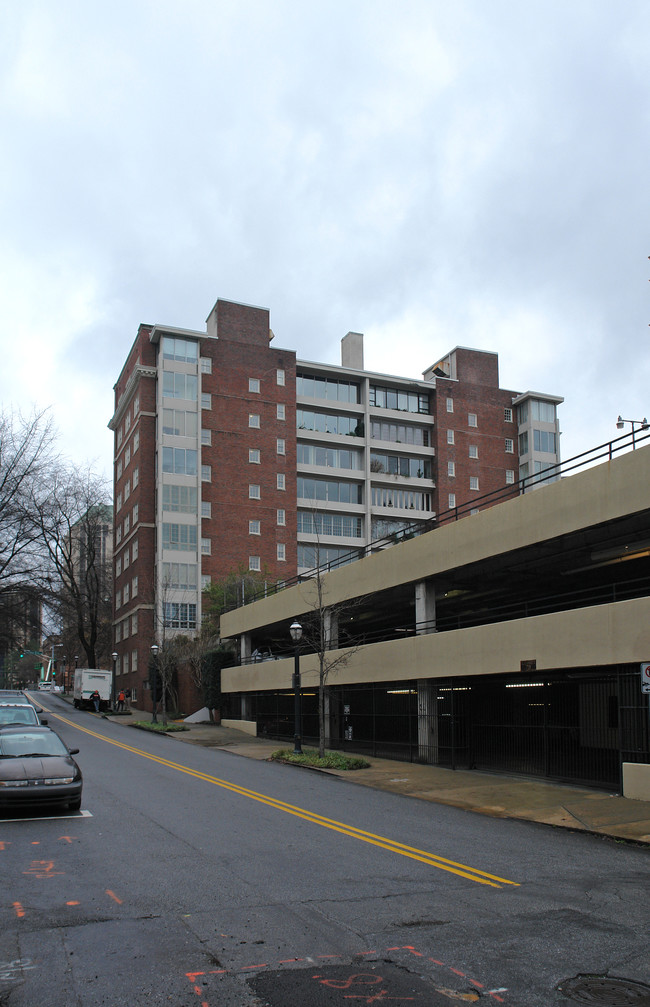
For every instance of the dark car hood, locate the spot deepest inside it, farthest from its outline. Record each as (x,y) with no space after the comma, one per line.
(38,768)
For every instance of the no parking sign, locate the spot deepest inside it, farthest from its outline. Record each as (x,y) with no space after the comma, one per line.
(645,677)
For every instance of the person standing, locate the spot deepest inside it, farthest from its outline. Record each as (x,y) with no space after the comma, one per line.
(120,701)
(95,698)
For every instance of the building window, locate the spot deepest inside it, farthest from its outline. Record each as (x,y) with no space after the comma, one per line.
(254,420)
(206,580)
(180,422)
(281,552)
(253,528)
(118,632)
(186,351)
(206,400)
(450,405)
(118,534)
(118,567)
(472,420)
(127,456)
(118,505)
(127,524)
(280,411)
(279,374)
(281,446)
(180,386)
(126,558)
(510,446)
(127,490)
(134,660)
(125,664)
(254,563)
(136,477)
(136,405)
(126,594)
(507,415)
(473,450)
(206,365)
(206,436)
(206,508)
(254,456)
(134,625)
(119,469)
(452,499)
(544,440)
(473,482)
(136,441)
(282,517)
(180,499)
(119,437)
(451,468)
(254,491)
(523,443)
(253,384)
(134,587)
(180,575)
(134,515)
(179,536)
(206,547)
(281,484)
(450,437)
(179,615)
(206,473)
(510,476)
(180,461)
(134,549)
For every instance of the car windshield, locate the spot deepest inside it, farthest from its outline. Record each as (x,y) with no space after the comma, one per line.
(18,715)
(22,744)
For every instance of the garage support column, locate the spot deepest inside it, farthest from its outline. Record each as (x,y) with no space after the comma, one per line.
(425,607)
(245,648)
(331,626)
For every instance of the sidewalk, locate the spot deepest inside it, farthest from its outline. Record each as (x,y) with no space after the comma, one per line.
(485,793)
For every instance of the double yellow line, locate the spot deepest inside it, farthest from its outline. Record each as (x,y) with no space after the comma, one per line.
(462,870)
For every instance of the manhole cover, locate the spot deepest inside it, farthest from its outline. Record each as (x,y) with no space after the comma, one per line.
(606,991)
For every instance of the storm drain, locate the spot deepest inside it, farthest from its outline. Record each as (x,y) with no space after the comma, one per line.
(605,991)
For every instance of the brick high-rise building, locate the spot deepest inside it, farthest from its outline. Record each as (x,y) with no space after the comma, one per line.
(229,452)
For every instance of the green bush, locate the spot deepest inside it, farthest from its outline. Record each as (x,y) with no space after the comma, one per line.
(309,757)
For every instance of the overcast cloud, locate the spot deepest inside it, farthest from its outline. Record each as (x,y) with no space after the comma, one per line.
(432,174)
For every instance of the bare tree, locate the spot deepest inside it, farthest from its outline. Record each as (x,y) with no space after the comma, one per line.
(323,632)
(26,456)
(74,518)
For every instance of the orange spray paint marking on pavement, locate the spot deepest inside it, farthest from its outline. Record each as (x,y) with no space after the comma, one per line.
(3,844)
(66,839)
(113,896)
(20,912)
(72,903)
(43,869)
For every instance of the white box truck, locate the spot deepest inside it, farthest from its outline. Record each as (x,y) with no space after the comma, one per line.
(86,680)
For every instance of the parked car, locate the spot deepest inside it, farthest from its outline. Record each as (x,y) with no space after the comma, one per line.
(37,769)
(19,713)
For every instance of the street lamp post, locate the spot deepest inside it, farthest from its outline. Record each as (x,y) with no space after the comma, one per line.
(643,424)
(154,682)
(296,635)
(114,655)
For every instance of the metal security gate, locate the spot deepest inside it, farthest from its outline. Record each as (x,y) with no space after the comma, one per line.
(575,726)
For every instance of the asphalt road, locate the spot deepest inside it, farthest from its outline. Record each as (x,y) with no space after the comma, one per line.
(195,877)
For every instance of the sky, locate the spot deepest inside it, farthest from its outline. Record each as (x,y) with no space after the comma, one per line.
(432,173)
